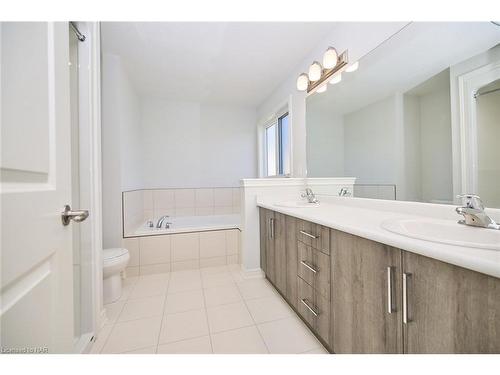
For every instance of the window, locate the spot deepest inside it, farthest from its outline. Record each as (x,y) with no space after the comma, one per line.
(277,143)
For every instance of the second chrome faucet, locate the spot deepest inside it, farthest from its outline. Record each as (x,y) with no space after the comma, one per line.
(473,212)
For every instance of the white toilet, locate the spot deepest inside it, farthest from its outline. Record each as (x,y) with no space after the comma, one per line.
(114,262)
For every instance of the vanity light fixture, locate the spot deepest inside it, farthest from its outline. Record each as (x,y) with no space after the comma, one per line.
(315,71)
(353,67)
(330,58)
(318,76)
(336,79)
(302,82)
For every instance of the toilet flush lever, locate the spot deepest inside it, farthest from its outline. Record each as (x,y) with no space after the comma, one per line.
(77,216)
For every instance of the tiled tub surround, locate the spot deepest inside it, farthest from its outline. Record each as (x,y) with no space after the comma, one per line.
(181,251)
(150,204)
(184,224)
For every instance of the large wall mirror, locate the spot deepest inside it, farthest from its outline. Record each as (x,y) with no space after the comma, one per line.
(418,121)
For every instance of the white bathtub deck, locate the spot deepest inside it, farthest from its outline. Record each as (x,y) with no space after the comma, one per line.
(186,224)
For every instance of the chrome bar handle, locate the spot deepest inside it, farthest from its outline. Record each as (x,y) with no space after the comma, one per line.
(406,277)
(309,235)
(390,308)
(306,304)
(309,266)
(271,227)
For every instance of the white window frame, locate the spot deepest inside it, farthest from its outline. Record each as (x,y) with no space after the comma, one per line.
(267,123)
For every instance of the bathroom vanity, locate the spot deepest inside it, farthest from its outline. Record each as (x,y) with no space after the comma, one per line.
(363,296)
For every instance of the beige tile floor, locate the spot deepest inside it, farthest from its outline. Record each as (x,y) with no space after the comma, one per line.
(212,310)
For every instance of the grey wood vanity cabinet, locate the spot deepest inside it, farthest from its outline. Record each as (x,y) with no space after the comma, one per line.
(273,249)
(450,309)
(366,317)
(386,300)
(299,250)
(360,296)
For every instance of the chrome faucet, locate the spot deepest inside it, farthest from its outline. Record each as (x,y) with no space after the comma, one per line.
(161,220)
(311,198)
(473,212)
(344,192)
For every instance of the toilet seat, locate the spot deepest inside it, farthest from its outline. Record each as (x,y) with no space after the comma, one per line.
(116,252)
(114,262)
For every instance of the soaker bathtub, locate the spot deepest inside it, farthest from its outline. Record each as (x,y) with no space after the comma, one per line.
(186,224)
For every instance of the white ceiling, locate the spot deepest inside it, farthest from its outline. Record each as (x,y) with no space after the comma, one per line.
(232,63)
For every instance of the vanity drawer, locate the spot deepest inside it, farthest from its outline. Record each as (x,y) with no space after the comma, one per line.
(314,235)
(314,308)
(313,267)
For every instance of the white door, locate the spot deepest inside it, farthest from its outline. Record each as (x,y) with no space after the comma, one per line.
(36,304)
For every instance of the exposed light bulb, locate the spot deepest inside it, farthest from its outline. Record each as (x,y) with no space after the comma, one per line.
(330,58)
(302,82)
(336,79)
(321,89)
(353,67)
(315,71)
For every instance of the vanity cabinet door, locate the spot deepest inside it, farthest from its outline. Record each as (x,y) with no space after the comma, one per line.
(365,296)
(269,244)
(291,260)
(449,309)
(273,248)
(280,262)
(263,228)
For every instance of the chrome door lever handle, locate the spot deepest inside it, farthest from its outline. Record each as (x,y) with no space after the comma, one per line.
(77,216)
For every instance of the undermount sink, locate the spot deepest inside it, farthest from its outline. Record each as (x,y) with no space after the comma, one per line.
(445,231)
(297,204)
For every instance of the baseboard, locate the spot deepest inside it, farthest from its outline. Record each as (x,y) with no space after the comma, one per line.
(254,273)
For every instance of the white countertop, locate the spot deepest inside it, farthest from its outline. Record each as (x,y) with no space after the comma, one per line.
(348,215)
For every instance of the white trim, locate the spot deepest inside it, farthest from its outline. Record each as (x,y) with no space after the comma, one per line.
(95,68)
(468,84)
(299,181)
(90,143)
(262,125)
(330,180)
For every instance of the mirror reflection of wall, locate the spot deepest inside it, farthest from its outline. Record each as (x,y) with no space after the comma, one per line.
(390,124)
(427,141)
(488,136)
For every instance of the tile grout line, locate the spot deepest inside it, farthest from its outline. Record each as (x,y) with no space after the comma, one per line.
(163,317)
(206,316)
(118,316)
(253,319)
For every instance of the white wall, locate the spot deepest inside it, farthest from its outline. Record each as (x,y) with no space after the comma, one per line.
(325,144)
(120,166)
(371,144)
(359,38)
(152,143)
(412,150)
(187,144)
(435,139)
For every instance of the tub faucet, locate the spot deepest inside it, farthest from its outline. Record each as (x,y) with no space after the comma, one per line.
(311,198)
(161,220)
(473,213)
(344,192)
